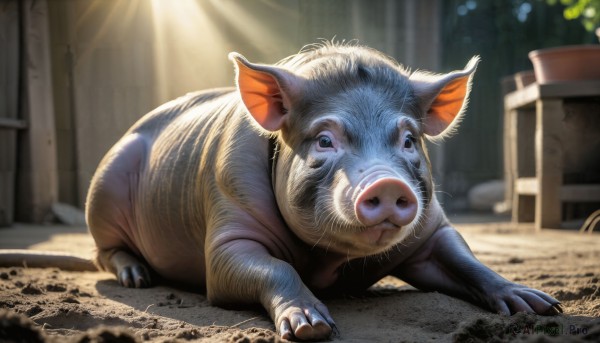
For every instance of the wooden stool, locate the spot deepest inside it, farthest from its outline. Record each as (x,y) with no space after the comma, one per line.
(539,144)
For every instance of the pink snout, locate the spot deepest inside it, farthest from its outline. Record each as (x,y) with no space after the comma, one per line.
(386,200)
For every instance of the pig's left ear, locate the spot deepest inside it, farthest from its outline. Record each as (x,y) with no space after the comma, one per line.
(265,90)
(443,98)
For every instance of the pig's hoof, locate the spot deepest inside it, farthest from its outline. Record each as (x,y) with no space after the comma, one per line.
(134,276)
(307,322)
(514,298)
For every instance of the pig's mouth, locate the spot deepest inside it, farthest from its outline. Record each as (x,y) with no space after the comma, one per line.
(370,215)
(385,205)
(379,235)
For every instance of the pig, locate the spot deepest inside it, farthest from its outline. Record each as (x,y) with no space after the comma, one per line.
(310,177)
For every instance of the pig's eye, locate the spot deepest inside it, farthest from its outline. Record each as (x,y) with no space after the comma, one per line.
(325,142)
(409,142)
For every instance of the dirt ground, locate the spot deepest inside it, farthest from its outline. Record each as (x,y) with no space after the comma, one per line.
(50,305)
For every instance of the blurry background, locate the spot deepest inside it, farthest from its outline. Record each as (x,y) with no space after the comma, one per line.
(75,74)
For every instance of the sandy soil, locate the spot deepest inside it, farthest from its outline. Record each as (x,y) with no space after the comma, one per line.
(50,305)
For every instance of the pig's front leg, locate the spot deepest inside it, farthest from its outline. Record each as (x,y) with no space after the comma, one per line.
(446,264)
(243,271)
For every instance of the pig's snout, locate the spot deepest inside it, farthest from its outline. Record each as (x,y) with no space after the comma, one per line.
(386,200)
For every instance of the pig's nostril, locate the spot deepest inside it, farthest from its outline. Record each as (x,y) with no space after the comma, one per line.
(373,201)
(402,202)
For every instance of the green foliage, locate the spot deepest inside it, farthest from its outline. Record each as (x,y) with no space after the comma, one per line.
(587,11)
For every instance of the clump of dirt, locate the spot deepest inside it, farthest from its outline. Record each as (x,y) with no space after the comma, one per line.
(15,328)
(56,287)
(31,289)
(104,334)
(490,329)
(525,327)
(256,335)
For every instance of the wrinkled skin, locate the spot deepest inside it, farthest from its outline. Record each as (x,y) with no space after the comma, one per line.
(190,192)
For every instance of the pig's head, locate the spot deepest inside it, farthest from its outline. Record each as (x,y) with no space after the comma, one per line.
(352,173)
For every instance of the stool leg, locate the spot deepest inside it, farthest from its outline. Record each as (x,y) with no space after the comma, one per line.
(549,162)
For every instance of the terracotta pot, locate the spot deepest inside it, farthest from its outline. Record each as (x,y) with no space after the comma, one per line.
(524,78)
(566,63)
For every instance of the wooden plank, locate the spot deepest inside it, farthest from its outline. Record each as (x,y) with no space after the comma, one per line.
(523,144)
(523,208)
(549,163)
(10,123)
(524,200)
(508,156)
(527,186)
(570,89)
(62,36)
(38,181)
(527,96)
(9,59)
(522,130)
(580,193)
(9,88)
(568,193)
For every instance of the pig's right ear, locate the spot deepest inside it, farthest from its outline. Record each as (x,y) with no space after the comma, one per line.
(443,98)
(265,90)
